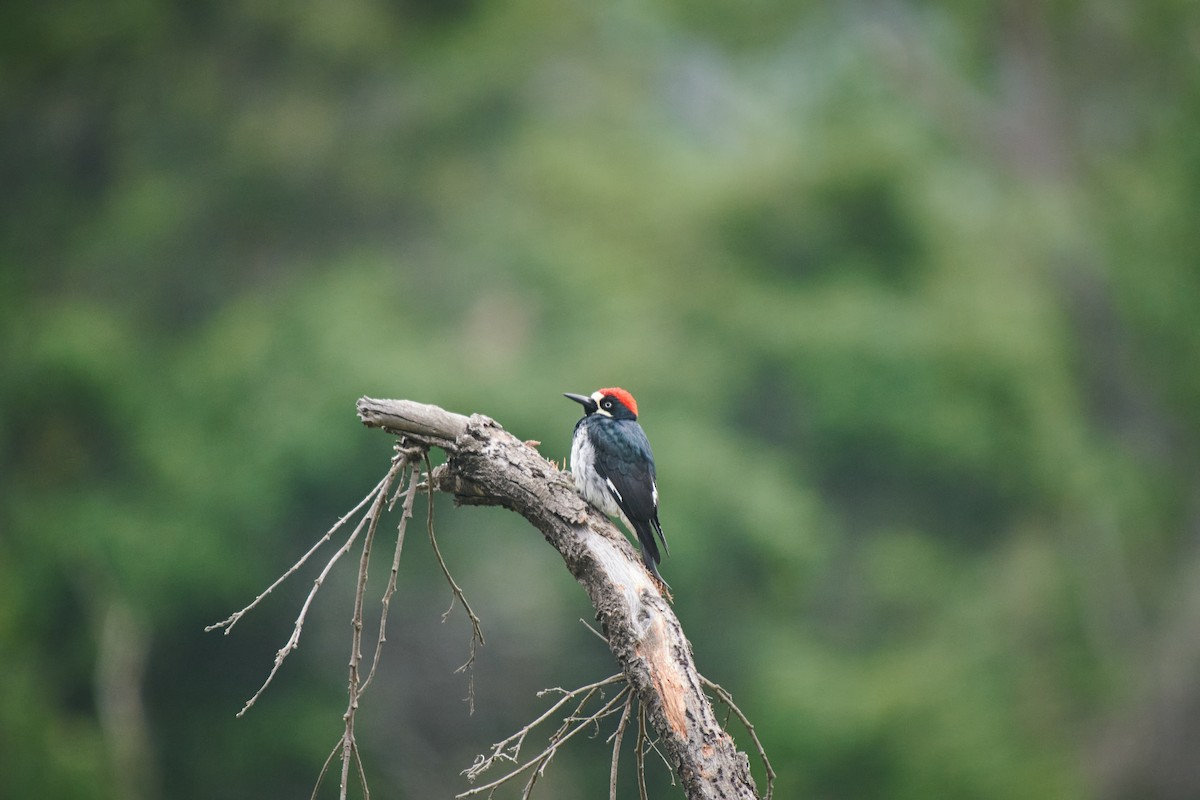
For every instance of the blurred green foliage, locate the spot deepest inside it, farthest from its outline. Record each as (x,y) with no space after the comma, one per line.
(907,294)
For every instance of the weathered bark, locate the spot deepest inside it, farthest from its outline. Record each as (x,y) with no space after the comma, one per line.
(486,465)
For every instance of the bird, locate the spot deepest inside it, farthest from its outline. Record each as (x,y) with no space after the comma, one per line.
(613,467)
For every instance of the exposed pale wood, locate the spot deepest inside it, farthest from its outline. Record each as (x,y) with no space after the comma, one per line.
(429,423)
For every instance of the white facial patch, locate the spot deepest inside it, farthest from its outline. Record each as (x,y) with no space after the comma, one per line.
(600,409)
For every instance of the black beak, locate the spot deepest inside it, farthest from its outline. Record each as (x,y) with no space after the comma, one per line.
(589,405)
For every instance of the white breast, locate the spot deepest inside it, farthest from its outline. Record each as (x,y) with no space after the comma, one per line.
(589,484)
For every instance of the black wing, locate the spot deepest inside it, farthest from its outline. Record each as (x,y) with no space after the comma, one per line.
(624,460)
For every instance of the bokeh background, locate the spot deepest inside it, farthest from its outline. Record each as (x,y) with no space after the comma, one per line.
(907,292)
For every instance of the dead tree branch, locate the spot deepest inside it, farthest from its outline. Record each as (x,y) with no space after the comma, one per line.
(510,749)
(486,465)
(375,498)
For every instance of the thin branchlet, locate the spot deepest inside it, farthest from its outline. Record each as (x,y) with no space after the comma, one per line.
(726,698)
(616,738)
(347,744)
(572,725)
(385,602)
(325,769)
(354,683)
(232,620)
(293,641)
(476,629)
(639,750)
(509,749)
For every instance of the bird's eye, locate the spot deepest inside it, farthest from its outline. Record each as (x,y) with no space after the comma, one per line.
(607,404)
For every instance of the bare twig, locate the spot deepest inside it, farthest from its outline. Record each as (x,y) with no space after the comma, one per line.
(325,769)
(476,630)
(362,773)
(562,735)
(508,749)
(597,633)
(228,624)
(640,753)
(727,699)
(349,745)
(652,744)
(617,736)
(406,513)
(294,640)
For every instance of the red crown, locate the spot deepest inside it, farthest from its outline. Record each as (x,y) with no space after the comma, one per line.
(623,397)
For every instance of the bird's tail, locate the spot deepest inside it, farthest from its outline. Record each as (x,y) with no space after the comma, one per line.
(649,547)
(663,539)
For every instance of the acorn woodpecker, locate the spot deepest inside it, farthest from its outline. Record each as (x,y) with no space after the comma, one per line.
(614,468)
